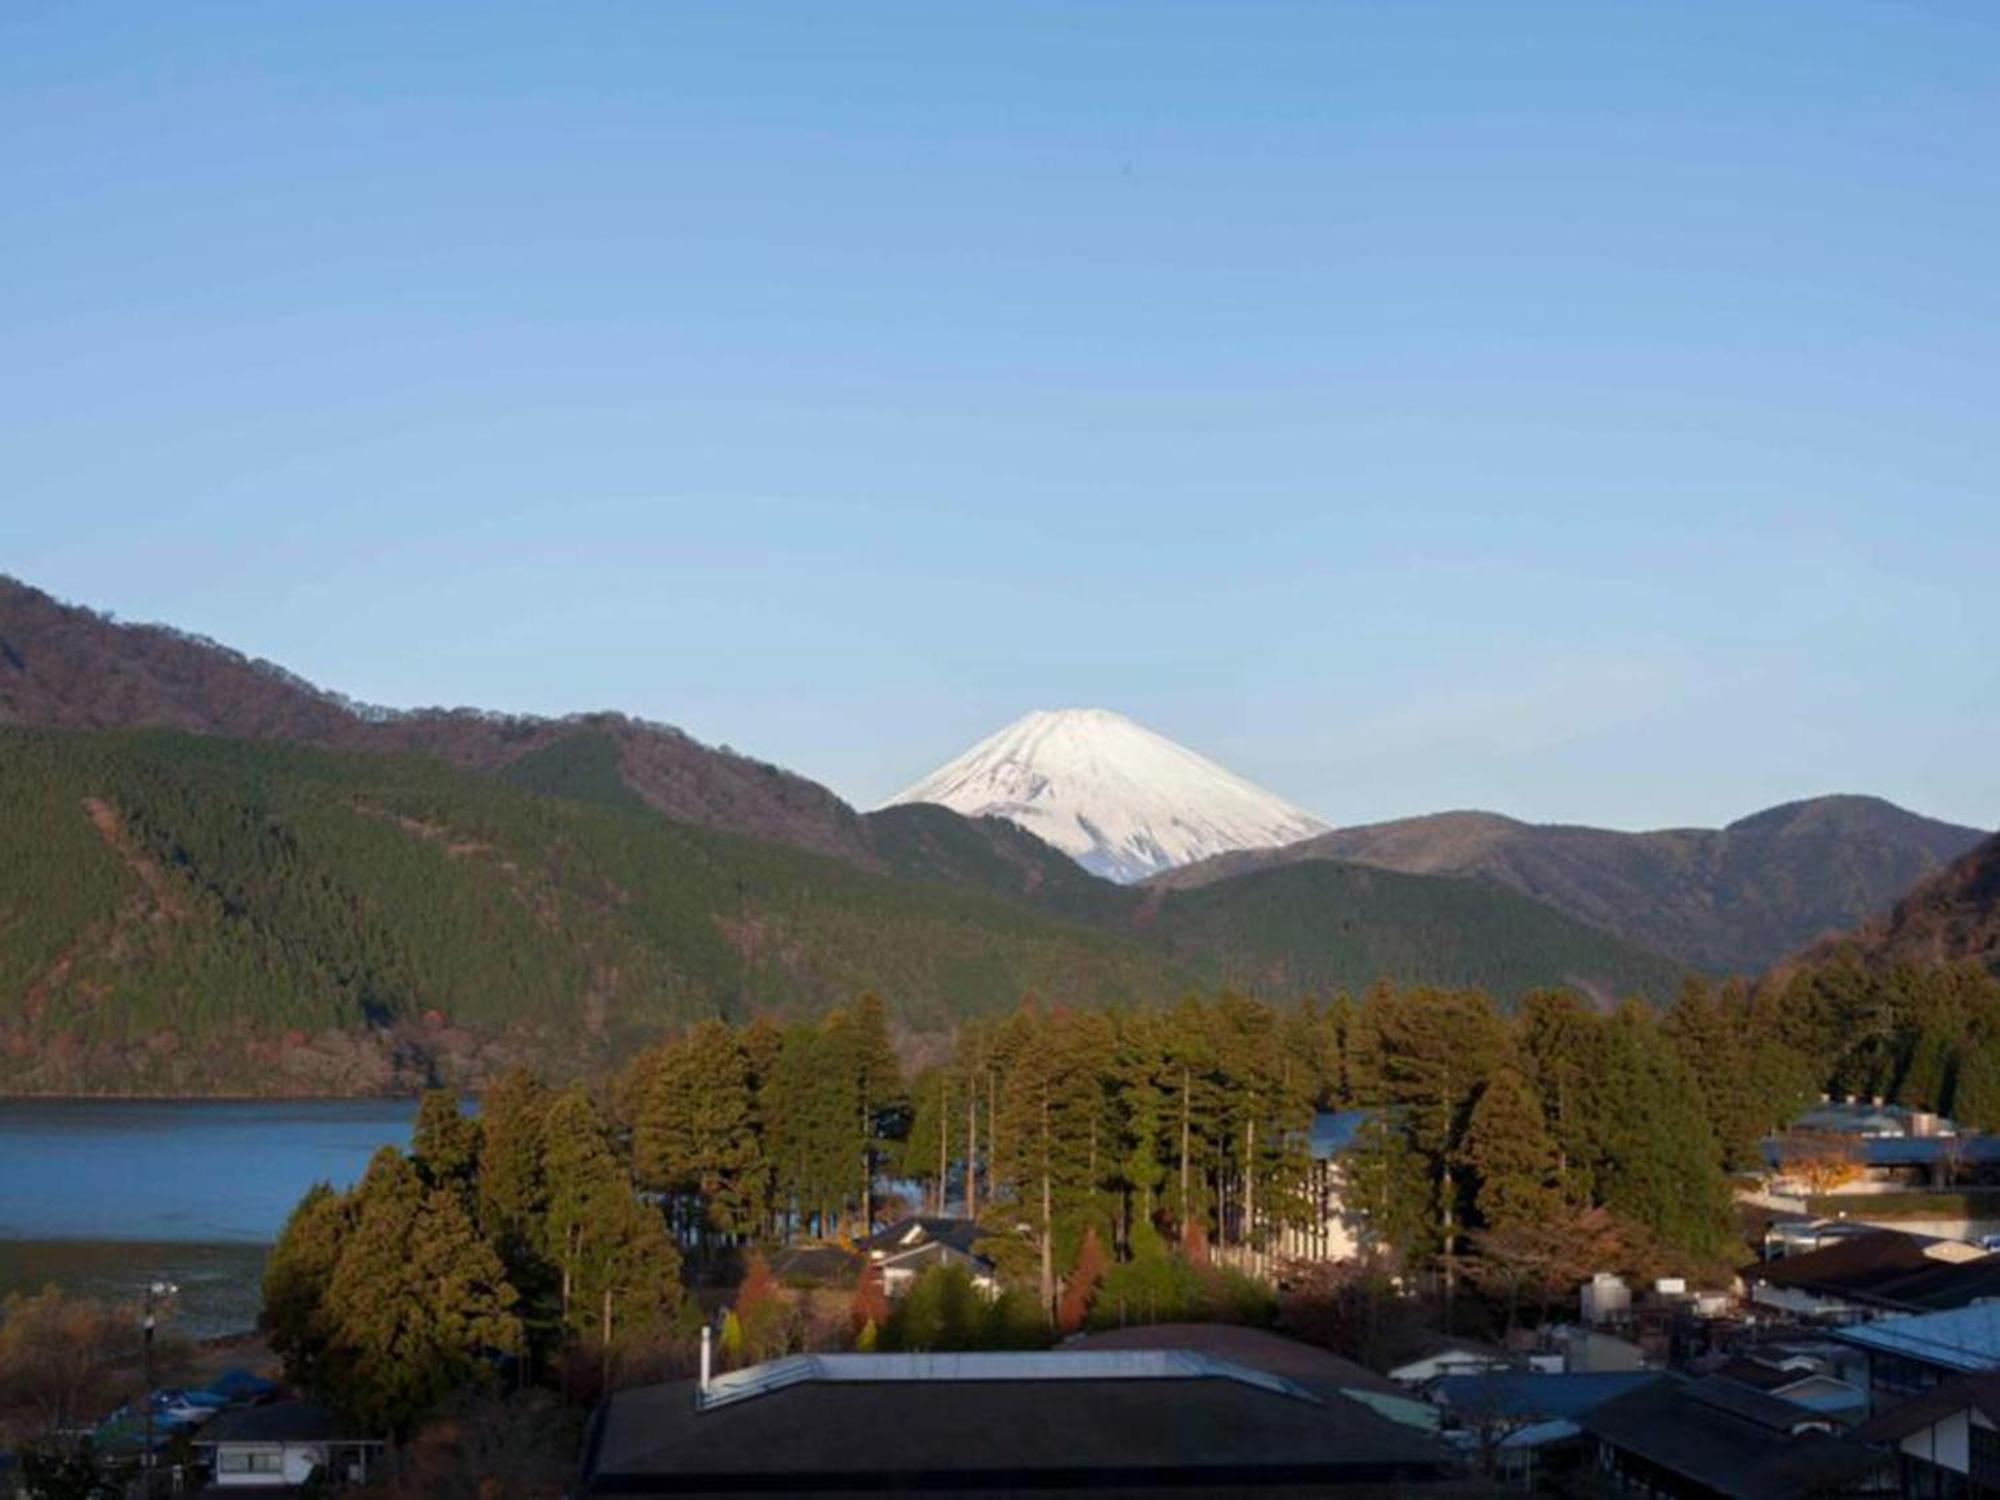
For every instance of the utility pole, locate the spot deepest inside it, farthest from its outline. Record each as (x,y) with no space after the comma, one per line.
(944,1136)
(604,1380)
(154,1290)
(972,1145)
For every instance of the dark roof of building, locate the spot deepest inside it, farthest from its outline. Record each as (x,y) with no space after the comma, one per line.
(1205,1431)
(960,1234)
(1533,1395)
(1760,1374)
(279,1422)
(1315,1368)
(1859,1115)
(1853,1263)
(934,1253)
(827,1263)
(1727,1438)
(1425,1343)
(1886,1268)
(1976,1392)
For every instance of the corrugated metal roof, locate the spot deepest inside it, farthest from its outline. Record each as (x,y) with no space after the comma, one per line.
(1966,1338)
(1043,1365)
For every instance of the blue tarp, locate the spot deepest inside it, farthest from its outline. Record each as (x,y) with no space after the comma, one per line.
(238,1384)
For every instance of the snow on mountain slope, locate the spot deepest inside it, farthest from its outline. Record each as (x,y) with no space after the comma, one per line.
(1119,799)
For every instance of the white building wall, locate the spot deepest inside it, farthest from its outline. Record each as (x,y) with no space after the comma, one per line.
(1944,1443)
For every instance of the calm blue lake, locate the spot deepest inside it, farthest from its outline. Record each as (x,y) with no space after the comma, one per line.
(209,1172)
(106,1195)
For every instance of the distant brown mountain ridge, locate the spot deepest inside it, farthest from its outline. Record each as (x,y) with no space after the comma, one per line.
(1735,899)
(1729,900)
(1952,917)
(66,667)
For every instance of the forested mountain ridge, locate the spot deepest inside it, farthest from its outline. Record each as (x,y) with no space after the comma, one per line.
(1951,917)
(66,667)
(1730,900)
(1325,926)
(1315,927)
(185,913)
(193,914)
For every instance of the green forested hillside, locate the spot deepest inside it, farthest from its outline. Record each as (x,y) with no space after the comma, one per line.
(183,913)
(1319,926)
(179,912)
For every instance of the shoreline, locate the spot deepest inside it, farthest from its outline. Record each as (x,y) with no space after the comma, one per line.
(109,1097)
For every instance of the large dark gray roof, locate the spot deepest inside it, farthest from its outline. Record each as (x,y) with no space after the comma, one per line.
(905,1233)
(1309,1365)
(279,1422)
(1727,1438)
(1213,1433)
(1534,1394)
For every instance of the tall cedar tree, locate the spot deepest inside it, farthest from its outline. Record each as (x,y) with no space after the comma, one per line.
(612,1257)
(417,1303)
(1508,1151)
(296,1276)
(445,1142)
(696,1139)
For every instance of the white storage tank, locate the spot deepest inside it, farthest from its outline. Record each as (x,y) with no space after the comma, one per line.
(1606,1298)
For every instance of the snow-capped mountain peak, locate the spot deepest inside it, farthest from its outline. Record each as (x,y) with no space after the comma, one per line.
(1122,801)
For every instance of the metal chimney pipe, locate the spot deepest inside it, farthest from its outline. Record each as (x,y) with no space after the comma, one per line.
(707,1361)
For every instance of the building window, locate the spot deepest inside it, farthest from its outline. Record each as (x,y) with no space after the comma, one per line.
(249,1461)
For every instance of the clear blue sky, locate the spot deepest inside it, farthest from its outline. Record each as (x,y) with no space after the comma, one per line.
(1588,411)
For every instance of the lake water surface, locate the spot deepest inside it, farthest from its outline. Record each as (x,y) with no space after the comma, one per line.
(106,1195)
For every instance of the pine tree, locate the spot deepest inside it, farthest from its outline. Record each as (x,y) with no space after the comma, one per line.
(296,1278)
(858,1044)
(1927,1071)
(1386,1181)
(1427,1053)
(512,1196)
(810,1105)
(1139,1104)
(1563,1050)
(601,1241)
(416,1304)
(695,1138)
(1975,1095)
(1656,1171)
(924,1154)
(1513,1164)
(763,1042)
(445,1143)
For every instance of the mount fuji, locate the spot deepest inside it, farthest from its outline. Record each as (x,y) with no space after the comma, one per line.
(1120,800)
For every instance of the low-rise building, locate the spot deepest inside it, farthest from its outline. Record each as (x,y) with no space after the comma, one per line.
(1718,1437)
(1328,1230)
(1947,1441)
(1874,1273)
(1910,1356)
(1136,1423)
(911,1246)
(1434,1355)
(284,1445)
